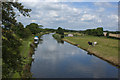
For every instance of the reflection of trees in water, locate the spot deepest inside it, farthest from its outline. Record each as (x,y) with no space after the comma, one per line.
(60,41)
(40,41)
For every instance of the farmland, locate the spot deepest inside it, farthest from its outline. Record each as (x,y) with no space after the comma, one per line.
(106,48)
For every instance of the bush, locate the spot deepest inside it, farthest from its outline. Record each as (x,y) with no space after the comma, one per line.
(60,31)
(95,32)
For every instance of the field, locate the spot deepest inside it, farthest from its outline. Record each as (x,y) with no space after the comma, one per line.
(106,48)
(112,35)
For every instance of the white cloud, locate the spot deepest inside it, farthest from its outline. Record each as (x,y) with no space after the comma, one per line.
(101,9)
(57,14)
(53,14)
(103,4)
(87,17)
(113,17)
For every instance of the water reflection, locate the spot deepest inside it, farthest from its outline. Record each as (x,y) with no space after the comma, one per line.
(40,41)
(59,40)
(54,60)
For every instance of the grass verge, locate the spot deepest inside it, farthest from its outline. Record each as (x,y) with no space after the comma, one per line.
(106,49)
(25,50)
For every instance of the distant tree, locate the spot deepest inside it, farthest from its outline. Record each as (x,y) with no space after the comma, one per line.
(40,26)
(95,32)
(60,31)
(34,28)
(100,31)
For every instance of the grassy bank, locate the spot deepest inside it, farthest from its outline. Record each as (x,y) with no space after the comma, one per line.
(106,48)
(57,36)
(26,51)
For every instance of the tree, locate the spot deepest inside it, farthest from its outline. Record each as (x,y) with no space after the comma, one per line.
(10,42)
(60,31)
(34,28)
(40,26)
(9,15)
(95,32)
(27,33)
(100,31)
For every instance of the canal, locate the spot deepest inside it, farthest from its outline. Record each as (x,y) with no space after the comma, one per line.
(53,59)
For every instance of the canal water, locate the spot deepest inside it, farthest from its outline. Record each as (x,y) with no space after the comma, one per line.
(53,59)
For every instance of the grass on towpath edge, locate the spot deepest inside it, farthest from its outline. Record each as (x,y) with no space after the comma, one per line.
(107,48)
(26,51)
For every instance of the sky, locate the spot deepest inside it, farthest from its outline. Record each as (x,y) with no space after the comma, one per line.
(72,15)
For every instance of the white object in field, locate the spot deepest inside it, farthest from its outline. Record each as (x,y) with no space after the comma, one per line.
(70,35)
(95,43)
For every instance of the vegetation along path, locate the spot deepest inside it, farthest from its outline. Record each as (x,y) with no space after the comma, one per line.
(106,48)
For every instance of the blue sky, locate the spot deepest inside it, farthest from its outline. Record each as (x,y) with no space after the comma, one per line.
(73,15)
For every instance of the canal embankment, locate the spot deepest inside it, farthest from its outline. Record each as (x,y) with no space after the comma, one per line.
(106,49)
(26,52)
(68,61)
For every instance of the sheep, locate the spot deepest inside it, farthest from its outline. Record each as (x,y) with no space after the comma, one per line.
(95,43)
(90,43)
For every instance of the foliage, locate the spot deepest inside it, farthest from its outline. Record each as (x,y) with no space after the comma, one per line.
(99,31)
(34,28)
(10,41)
(49,30)
(10,54)
(95,32)
(60,31)
(8,13)
(58,38)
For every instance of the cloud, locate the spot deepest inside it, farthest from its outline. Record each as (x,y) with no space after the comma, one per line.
(103,4)
(101,9)
(113,17)
(78,17)
(87,17)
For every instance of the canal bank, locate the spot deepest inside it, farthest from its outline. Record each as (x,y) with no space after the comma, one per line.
(26,51)
(28,59)
(68,61)
(109,60)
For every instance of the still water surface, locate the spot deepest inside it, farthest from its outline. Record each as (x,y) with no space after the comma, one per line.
(63,60)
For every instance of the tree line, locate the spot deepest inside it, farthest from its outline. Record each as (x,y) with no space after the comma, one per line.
(95,32)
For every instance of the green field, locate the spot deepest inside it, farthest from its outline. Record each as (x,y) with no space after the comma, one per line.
(106,48)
